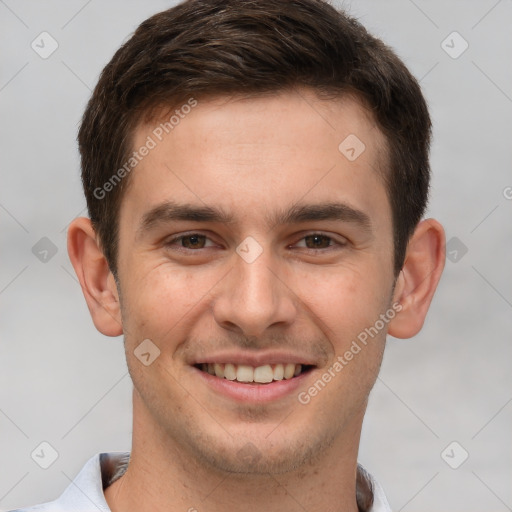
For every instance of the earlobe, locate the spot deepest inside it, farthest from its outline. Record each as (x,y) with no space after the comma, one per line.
(97,282)
(418,279)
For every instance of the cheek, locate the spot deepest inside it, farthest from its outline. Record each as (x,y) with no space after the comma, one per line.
(350,304)
(157,299)
(348,298)
(352,310)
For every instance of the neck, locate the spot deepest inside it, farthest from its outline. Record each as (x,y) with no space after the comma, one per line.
(163,475)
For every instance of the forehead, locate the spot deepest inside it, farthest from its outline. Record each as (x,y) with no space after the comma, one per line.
(258,118)
(260,153)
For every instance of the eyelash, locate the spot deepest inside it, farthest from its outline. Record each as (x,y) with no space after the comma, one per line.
(329,248)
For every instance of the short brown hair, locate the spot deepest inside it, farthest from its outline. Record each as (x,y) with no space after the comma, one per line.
(209,48)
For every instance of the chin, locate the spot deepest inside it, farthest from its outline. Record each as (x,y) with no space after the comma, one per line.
(262,457)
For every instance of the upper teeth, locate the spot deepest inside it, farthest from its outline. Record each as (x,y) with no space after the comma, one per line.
(244,373)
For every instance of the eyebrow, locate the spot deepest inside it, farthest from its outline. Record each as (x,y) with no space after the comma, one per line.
(170,211)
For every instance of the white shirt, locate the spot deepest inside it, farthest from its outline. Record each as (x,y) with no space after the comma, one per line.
(85,493)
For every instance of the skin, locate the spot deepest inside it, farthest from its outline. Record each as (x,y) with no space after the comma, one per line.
(253,157)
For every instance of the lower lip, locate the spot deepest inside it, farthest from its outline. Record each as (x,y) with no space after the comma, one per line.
(253,392)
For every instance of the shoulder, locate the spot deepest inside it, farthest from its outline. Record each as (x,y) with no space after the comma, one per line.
(51,506)
(85,493)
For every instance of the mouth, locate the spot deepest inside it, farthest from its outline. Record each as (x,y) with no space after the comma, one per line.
(266,382)
(259,375)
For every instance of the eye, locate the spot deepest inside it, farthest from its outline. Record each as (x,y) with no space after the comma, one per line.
(319,241)
(191,241)
(311,242)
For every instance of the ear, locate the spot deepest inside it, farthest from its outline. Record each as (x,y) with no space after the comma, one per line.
(418,279)
(96,279)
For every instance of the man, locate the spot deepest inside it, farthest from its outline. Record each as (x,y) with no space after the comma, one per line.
(256,174)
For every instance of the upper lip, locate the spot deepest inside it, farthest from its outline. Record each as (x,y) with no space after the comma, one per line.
(254,359)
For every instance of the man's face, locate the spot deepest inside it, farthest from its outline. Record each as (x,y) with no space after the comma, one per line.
(261,290)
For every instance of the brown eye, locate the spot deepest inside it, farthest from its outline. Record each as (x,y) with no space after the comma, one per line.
(193,241)
(317,241)
(320,242)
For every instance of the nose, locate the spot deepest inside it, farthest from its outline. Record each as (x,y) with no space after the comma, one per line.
(254,297)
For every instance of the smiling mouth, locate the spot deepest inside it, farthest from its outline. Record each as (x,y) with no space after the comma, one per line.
(254,375)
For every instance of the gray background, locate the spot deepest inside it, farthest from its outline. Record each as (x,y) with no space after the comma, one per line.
(64,383)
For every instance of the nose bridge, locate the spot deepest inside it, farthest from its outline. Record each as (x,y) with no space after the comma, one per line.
(253,298)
